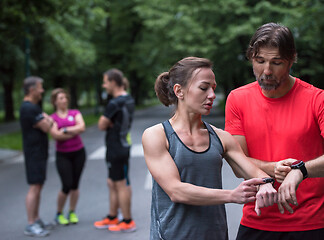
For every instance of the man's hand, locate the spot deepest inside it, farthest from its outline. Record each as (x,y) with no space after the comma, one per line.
(265,197)
(287,190)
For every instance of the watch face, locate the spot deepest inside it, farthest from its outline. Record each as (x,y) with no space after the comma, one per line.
(297,164)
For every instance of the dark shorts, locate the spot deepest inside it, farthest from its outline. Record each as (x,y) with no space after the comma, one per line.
(35,170)
(118,171)
(117,163)
(245,233)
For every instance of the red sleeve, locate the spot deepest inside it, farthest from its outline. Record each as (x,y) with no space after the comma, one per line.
(319,111)
(233,116)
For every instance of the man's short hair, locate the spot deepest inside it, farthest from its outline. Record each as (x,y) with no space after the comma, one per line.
(115,75)
(30,82)
(273,35)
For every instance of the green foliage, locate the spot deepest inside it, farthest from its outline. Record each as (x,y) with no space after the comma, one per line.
(73,42)
(11,141)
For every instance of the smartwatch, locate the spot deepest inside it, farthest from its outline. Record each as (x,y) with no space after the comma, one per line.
(268,180)
(301,166)
(65,130)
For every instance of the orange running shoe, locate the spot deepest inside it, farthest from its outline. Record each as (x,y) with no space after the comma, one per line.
(123,227)
(105,223)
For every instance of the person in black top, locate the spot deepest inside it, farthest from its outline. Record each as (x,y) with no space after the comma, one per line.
(35,125)
(116,121)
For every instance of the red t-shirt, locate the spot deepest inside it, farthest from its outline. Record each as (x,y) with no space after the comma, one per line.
(279,128)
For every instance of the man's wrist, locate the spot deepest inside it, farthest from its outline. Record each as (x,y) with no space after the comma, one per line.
(300,165)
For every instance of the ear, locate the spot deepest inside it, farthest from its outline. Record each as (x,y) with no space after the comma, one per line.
(178,91)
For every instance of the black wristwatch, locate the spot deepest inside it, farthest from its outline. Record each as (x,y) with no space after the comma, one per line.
(301,166)
(268,180)
(65,130)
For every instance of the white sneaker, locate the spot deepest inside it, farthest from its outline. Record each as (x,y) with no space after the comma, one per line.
(34,230)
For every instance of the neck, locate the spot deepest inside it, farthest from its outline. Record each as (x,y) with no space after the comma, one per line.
(30,99)
(62,111)
(119,92)
(188,122)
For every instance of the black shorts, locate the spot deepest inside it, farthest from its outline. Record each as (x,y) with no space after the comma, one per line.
(118,171)
(117,163)
(245,233)
(35,170)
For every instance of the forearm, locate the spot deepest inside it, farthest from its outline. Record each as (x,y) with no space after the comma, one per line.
(267,167)
(60,136)
(315,168)
(75,130)
(195,195)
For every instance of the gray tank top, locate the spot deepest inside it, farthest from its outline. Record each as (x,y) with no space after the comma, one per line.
(177,221)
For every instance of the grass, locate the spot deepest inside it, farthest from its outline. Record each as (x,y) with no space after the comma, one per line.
(13,140)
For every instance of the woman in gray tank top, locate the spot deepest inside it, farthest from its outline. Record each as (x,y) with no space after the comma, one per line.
(184,155)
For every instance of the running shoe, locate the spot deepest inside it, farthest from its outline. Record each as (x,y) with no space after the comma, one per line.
(60,219)
(73,218)
(105,223)
(123,227)
(44,225)
(34,230)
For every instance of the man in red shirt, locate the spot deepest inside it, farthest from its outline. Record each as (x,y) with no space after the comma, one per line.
(279,122)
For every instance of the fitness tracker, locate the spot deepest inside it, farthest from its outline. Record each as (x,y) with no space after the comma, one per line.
(268,180)
(65,130)
(301,166)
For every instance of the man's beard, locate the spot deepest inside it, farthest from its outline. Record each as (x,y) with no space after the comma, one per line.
(268,86)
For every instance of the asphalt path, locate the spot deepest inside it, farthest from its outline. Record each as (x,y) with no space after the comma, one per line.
(93,202)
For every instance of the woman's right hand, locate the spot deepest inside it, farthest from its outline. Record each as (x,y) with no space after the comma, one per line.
(246,191)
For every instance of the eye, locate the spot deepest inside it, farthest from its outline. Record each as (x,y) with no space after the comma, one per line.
(258,60)
(277,63)
(204,89)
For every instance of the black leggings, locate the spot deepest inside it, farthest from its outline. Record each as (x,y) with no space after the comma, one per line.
(69,166)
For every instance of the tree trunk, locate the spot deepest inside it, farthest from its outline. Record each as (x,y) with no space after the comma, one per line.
(8,100)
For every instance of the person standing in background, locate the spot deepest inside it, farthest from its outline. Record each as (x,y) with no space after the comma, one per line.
(116,121)
(70,153)
(35,125)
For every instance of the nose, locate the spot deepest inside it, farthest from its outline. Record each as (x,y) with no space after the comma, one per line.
(212,94)
(267,69)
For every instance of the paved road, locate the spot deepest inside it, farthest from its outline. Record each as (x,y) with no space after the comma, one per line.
(93,203)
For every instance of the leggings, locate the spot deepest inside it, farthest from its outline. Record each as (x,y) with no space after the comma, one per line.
(69,166)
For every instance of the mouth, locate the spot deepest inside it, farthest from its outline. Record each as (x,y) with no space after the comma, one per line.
(208,105)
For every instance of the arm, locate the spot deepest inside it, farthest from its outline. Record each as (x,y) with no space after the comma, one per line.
(267,167)
(243,167)
(58,134)
(104,123)
(287,190)
(315,168)
(165,173)
(79,126)
(45,124)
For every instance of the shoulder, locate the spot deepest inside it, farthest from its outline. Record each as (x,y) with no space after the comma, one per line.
(224,136)
(220,132)
(246,88)
(154,131)
(243,93)
(307,87)
(74,112)
(154,140)
(308,91)
(28,105)
(54,115)
(30,108)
